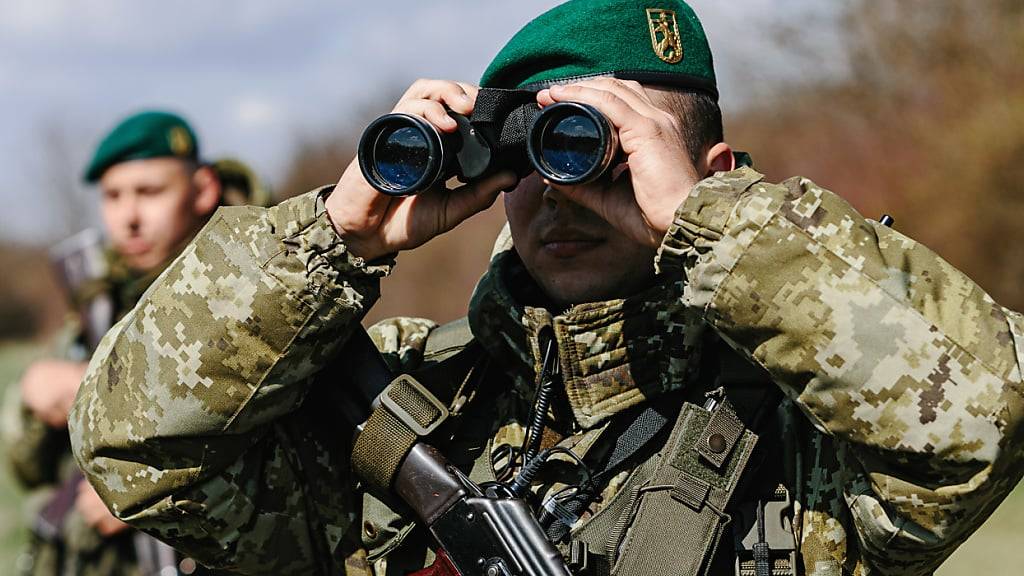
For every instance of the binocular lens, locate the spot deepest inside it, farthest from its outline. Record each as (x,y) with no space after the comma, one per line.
(567,143)
(400,154)
(571,146)
(571,143)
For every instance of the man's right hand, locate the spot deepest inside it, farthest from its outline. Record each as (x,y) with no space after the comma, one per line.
(48,389)
(374,224)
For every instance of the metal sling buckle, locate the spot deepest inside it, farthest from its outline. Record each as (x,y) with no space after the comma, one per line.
(775,536)
(414,405)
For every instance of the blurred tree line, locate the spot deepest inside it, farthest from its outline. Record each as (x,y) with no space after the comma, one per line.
(926,123)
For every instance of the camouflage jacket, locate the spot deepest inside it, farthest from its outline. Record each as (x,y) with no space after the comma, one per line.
(40,456)
(202,421)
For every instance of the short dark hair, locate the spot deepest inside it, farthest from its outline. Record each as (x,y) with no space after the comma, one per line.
(701,120)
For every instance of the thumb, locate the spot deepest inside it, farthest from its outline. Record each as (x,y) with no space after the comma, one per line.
(465,201)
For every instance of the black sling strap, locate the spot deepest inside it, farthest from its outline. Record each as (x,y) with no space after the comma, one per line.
(641,431)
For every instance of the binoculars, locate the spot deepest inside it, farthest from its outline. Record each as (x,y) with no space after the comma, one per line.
(566,142)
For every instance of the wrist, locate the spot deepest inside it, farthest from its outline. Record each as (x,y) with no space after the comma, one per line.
(357,244)
(368,251)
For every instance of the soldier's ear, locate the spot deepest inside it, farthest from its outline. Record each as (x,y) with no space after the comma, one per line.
(719,158)
(208,191)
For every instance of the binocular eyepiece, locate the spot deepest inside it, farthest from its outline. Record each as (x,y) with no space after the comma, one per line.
(567,143)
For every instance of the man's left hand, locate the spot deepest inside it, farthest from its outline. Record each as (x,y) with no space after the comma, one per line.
(656,158)
(48,389)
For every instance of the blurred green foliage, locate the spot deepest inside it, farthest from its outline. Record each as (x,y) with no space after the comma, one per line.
(995,549)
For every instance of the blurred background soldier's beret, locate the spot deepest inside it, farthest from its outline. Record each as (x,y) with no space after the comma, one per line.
(655,42)
(150,134)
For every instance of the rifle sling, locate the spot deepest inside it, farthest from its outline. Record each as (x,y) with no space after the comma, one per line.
(406,410)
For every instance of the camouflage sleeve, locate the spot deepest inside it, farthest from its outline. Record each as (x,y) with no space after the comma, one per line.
(881,343)
(178,423)
(33,448)
(402,341)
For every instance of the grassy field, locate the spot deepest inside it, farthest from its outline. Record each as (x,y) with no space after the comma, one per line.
(996,550)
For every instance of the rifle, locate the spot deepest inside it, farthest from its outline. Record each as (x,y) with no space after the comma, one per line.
(77,261)
(480,530)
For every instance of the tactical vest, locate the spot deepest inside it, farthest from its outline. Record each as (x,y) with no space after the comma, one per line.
(709,499)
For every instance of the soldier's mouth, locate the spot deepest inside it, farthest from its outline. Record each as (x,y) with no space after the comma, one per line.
(569,249)
(133,248)
(569,246)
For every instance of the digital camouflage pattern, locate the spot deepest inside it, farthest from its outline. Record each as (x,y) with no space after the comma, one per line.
(40,456)
(911,371)
(202,419)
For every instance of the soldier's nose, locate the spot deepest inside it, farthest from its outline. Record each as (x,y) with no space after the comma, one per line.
(550,195)
(554,198)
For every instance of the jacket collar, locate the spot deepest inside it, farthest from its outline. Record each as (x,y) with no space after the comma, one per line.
(614,354)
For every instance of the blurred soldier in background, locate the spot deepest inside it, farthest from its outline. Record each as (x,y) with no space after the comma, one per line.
(155,195)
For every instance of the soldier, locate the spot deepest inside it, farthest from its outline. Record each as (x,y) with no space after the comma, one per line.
(155,195)
(829,397)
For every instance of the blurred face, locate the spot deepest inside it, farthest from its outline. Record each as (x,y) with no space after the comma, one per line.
(150,207)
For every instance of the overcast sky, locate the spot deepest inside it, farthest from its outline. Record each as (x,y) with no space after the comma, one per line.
(252,75)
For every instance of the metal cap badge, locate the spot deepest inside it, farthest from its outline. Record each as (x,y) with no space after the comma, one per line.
(665,35)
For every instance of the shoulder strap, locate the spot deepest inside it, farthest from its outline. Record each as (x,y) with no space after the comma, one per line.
(450,356)
(448,339)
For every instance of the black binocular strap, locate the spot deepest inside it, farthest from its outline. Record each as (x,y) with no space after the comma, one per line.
(507,113)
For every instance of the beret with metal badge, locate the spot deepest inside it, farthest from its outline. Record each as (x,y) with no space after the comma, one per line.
(658,42)
(149,134)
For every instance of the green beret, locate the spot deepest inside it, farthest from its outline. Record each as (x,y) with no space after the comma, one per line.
(150,134)
(655,42)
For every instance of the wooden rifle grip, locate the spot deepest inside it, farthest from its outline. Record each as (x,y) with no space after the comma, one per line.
(442,566)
